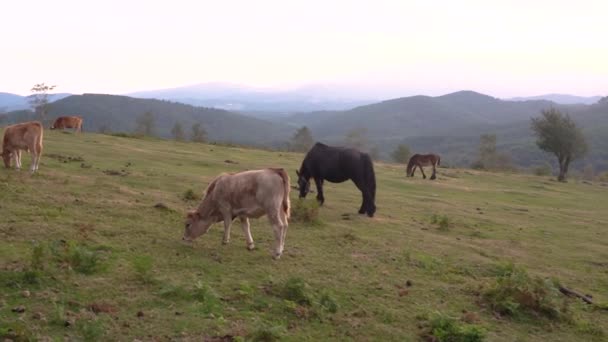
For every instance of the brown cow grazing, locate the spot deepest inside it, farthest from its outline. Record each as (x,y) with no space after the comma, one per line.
(63,122)
(24,136)
(247,194)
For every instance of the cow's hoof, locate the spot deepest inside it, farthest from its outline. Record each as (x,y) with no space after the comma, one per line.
(251,247)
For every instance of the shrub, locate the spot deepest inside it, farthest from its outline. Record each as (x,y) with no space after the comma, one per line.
(442,328)
(442,220)
(328,303)
(543,170)
(515,293)
(296,290)
(267,334)
(205,295)
(91,330)
(189,195)
(306,212)
(37,257)
(83,260)
(142,265)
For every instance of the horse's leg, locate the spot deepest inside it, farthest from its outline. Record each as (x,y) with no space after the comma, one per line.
(247,232)
(319,184)
(433,176)
(422,170)
(364,194)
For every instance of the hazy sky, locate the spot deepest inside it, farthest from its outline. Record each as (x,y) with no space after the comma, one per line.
(502,48)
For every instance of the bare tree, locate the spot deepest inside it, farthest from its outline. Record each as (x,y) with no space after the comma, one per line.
(558,134)
(177,131)
(357,138)
(199,134)
(401,154)
(39,100)
(145,124)
(302,140)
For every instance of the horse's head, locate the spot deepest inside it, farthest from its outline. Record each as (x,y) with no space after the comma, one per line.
(303,184)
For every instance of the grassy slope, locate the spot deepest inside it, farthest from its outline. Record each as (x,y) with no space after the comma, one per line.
(552,229)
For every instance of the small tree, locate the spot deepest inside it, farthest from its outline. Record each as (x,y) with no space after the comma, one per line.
(302,140)
(374,153)
(357,138)
(489,158)
(145,124)
(39,100)
(401,154)
(199,134)
(557,133)
(177,131)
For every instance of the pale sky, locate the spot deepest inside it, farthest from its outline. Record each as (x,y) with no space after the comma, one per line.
(501,48)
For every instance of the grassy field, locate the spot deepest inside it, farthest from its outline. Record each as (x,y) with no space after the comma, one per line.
(88,256)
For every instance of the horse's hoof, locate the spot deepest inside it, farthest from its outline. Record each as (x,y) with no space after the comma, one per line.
(251,247)
(276,256)
(225,242)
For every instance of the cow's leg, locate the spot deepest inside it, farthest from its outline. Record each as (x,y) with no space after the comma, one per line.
(319,184)
(277,229)
(247,232)
(285,224)
(17,159)
(227,224)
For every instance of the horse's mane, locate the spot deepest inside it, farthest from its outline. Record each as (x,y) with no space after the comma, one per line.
(411,162)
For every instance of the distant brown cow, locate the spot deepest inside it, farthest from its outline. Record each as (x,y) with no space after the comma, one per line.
(248,194)
(63,122)
(24,136)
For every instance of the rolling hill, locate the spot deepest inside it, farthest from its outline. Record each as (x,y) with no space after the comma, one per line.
(11,102)
(87,254)
(451,125)
(119,114)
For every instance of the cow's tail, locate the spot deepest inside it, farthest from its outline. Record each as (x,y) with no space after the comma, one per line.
(39,142)
(286,189)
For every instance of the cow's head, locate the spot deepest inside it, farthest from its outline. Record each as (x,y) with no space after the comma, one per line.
(6,157)
(303,184)
(196,225)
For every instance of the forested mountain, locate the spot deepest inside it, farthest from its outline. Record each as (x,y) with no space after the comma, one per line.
(119,114)
(452,124)
(11,102)
(561,99)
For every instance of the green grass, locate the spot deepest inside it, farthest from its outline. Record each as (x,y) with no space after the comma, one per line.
(74,235)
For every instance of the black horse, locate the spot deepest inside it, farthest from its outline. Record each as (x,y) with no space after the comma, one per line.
(339,164)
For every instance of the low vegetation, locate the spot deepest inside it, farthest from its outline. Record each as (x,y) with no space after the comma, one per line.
(85,255)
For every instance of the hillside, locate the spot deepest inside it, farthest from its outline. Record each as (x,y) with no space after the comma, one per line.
(252,100)
(11,102)
(119,114)
(87,255)
(561,99)
(451,125)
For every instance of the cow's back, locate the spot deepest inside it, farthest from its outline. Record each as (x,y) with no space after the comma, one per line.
(22,136)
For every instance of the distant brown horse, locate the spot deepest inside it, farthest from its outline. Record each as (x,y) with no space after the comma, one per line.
(420,160)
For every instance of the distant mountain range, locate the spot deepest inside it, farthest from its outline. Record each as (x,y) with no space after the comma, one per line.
(119,114)
(561,99)
(10,102)
(450,124)
(252,100)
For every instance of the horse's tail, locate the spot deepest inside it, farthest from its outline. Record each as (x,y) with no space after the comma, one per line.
(286,189)
(369,176)
(410,164)
(438,160)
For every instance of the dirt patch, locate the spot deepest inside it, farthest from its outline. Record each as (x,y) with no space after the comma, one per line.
(98,308)
(116,172)
(64,158)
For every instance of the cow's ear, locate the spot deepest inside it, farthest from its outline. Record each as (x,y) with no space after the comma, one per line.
(193,215)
